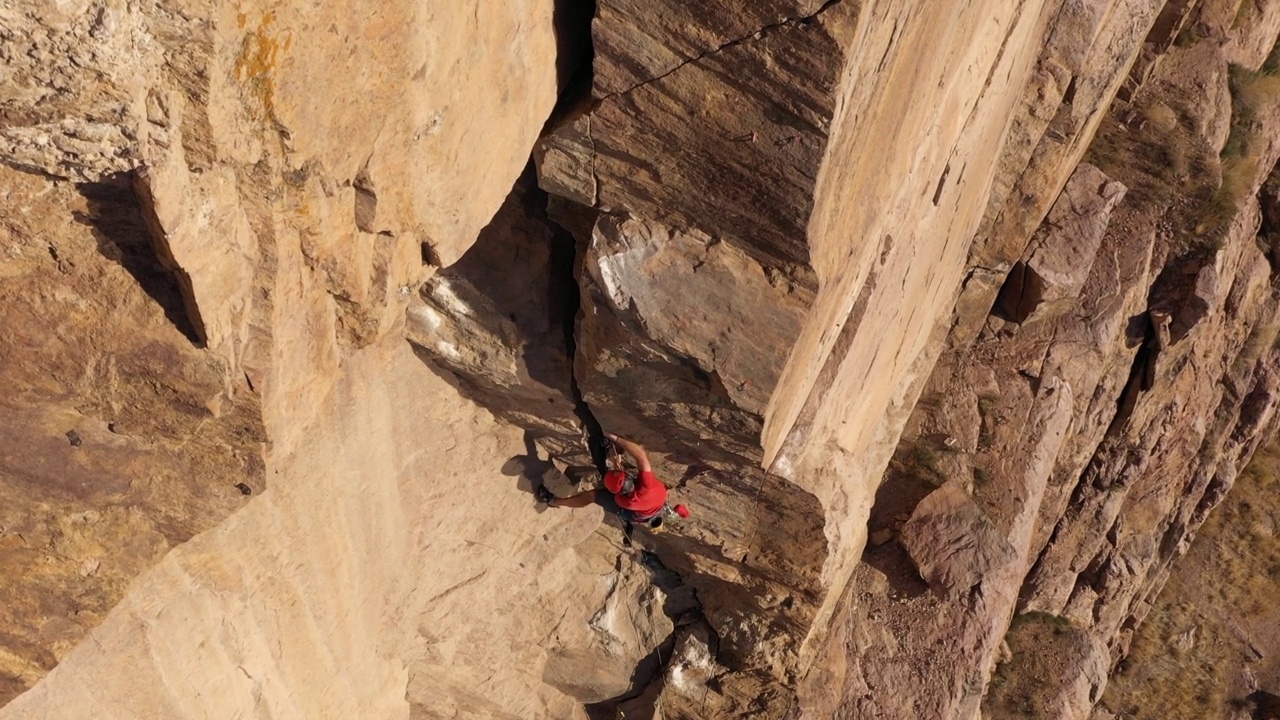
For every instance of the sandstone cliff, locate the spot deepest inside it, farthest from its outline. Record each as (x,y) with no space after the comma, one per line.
(305,299)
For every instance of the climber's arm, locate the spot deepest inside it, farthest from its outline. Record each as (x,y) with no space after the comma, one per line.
(633,449)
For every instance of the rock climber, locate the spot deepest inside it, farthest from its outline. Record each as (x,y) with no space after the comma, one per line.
(637,497)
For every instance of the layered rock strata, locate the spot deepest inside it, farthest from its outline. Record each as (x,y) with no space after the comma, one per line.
(1136,311)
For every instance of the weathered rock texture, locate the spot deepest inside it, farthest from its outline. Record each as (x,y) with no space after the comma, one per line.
(201,222)
(1096,415)
(115,444)
(837,264)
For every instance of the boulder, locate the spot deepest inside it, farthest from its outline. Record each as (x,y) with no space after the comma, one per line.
(1058,260)
(952,542)
(743,166)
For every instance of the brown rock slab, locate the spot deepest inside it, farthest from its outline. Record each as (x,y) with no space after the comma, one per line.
(737,161)
(952,542)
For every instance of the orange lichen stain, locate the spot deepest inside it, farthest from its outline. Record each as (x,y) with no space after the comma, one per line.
(257,59)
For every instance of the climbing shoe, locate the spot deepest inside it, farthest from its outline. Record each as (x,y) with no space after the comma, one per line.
(544,495)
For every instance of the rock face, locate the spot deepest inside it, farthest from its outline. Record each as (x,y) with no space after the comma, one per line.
(201,223)
(117,446)
(838,265)
(1121,299)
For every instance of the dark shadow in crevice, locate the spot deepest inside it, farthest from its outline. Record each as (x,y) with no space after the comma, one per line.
(565,269)
(903,488)
(647,671)
(517,286)
(115,214)
(1020,295)
(575,60)
(1263,705)
(1141,378)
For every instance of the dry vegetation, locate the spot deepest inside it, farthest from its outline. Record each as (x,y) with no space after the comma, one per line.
(1042,646)
(1262,338)
(1166,163)
(1217,622)
(1252,95)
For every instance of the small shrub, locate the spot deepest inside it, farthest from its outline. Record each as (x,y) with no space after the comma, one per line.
(925,458)
(987,421)
(981,477)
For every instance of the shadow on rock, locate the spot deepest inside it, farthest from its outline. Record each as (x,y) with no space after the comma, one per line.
(116,216)
(532,472)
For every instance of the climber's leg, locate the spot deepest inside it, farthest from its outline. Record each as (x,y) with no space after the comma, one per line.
(575,501)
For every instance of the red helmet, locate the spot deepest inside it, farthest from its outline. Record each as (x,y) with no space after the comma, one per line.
(619,482)
(682,511)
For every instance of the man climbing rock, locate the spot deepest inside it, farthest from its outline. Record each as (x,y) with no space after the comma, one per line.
(637,497)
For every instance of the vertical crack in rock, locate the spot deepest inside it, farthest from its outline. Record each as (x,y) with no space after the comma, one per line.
(566,263)
(575,59)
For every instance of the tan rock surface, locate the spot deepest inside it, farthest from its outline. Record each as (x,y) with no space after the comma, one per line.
(288,223)
(390,553)
(118,439)
(776,227)
(436,176)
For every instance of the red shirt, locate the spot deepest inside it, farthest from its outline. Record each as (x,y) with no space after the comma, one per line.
(649,496)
